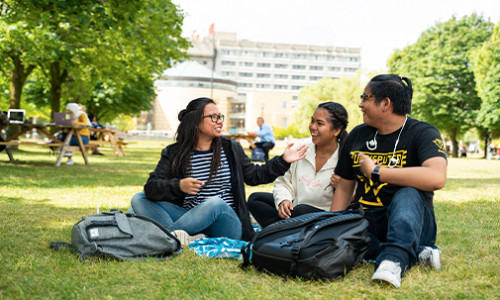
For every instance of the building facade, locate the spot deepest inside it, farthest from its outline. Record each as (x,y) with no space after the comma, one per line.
(247,79)
(269,76)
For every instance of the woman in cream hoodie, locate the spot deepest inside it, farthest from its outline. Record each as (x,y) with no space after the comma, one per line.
(307,186)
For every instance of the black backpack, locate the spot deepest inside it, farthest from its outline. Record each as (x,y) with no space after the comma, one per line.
(322,245)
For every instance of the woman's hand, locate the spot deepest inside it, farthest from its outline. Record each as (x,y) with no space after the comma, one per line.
(285,209)
(292,155)
(334,180)
(190,185)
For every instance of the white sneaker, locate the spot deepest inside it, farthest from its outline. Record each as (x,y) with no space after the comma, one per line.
(430,257)
(70,162)
(388,271)
(185,238)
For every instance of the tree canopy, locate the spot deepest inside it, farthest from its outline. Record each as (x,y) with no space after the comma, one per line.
(486,67)
(102,54)
(344,90)
(439,66)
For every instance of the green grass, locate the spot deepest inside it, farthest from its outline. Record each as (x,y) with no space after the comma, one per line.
(40,203)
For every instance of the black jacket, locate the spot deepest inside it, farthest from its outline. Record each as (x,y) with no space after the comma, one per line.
(162,186)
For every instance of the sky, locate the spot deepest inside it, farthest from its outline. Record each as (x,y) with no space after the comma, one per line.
(379,27)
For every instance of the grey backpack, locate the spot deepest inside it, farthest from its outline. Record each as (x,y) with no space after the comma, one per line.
(121,236)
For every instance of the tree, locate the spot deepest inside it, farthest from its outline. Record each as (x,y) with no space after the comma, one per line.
(345,90)
(88,44)
(486,67)
(16,64)
(440,69)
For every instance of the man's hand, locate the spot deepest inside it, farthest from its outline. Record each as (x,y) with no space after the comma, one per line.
(367,165)
(285,209)
(190,185)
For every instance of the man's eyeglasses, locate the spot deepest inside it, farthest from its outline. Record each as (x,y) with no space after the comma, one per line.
(215,118)
(365,96)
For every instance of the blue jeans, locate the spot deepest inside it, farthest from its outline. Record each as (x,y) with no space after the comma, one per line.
(212,217)
(401,230)
(74,140)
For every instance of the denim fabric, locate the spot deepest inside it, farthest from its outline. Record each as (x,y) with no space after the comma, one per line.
(212,217)
(74,140)
(399,231)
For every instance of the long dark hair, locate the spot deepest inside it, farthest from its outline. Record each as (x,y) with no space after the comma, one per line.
(338,117)
(187,136)
(393,87)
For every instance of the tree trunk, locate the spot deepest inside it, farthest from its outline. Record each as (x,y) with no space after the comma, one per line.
(57,79)
(487,141)
(454,143)
(18,77)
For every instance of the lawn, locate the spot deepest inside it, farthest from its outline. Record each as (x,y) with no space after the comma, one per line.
(40,203)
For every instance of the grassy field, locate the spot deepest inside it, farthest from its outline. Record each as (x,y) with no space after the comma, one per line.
(40,204)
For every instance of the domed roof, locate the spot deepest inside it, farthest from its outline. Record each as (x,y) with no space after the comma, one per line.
(191,69)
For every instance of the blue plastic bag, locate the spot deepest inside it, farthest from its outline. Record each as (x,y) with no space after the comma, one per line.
(218,247)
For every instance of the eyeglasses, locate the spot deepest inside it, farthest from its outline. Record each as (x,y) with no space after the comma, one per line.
(365,96)
(215,118)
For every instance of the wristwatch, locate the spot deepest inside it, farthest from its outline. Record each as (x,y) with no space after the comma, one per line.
(376,174)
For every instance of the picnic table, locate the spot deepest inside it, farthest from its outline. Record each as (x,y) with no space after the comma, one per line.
(43,129)
(238,137)
(108,137)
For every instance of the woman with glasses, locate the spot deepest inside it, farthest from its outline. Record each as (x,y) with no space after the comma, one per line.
(197,188)
(309,184)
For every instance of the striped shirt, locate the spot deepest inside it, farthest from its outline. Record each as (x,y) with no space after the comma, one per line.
(220,184)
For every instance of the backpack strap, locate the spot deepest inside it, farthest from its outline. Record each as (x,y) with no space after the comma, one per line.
(58,245)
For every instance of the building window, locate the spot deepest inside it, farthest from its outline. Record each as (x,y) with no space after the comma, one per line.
(245,74)
(267,54)
(263,65)
(299,56)
(280,87)
(263,75)
(330,58)
(353,59)
(280,76)
(315,78)
(316,57)
(246,63)
(298,77)
(335,69)
(280,55)
(280,66)
(263,86)
(228,74)
(316,68)
(296,87)
(298,67)
(350,69)
(245,84)
(228,63)
(284,122)
(284,105)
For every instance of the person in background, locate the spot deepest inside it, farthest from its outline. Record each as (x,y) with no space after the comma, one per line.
(79,117)
(397,163)
(266,135)
(305,187)
(94,135)
(198,186)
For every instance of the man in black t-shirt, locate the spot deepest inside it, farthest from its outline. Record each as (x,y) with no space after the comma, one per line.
(395,163)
